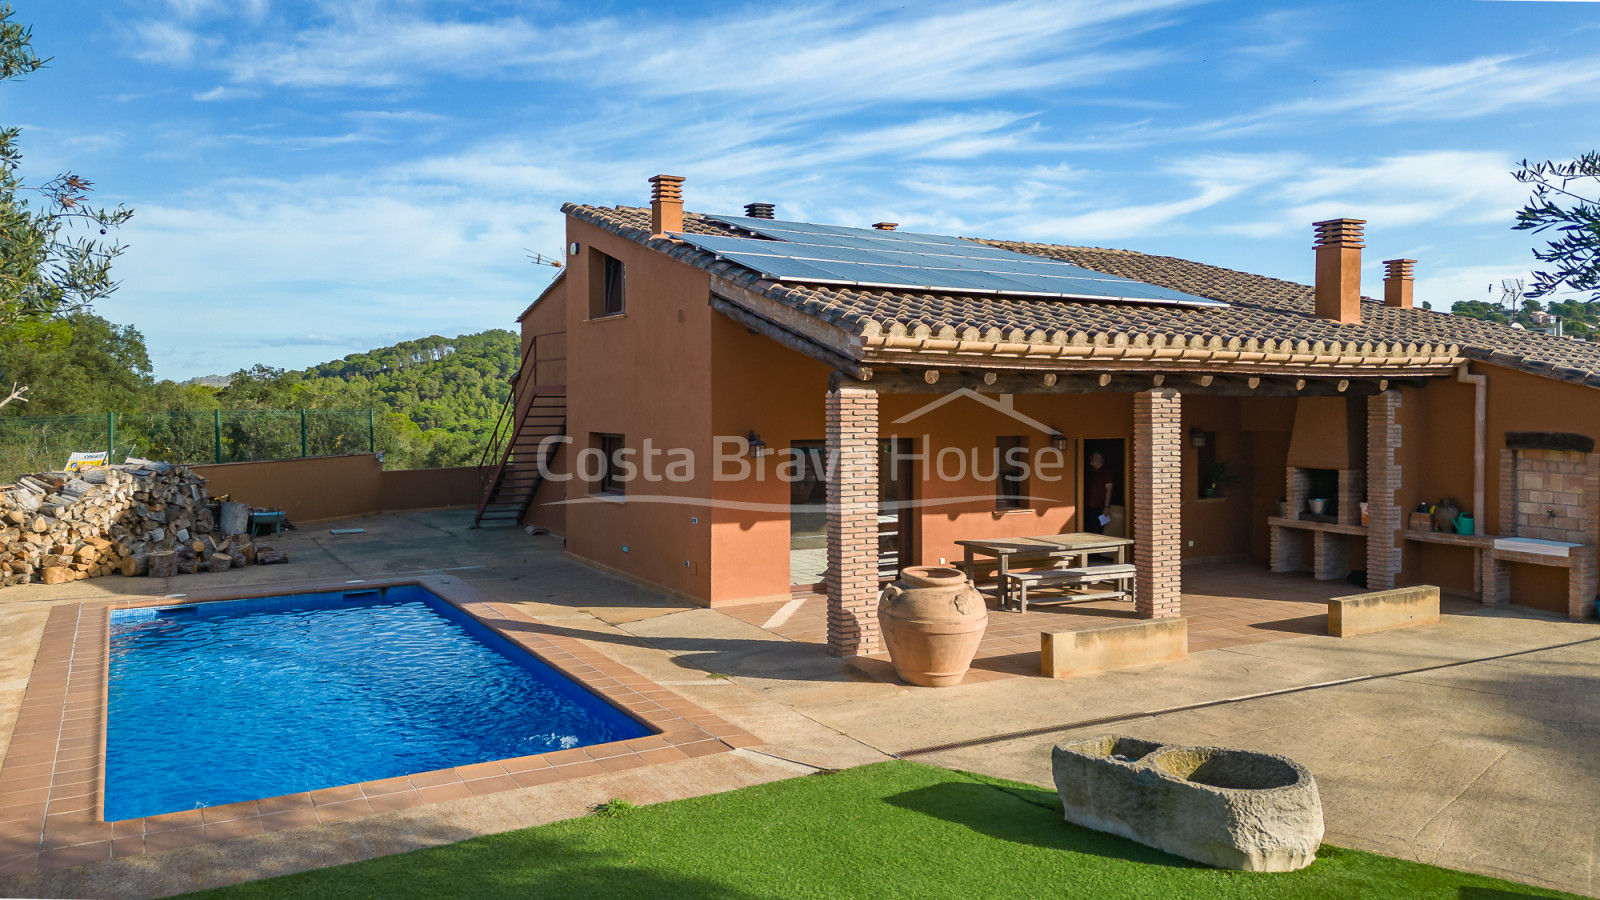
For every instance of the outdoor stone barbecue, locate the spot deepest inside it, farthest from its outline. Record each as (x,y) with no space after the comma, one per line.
(1233,809)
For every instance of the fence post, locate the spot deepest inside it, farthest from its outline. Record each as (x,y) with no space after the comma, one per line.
(302,434)
(219,434)
(372,432)
(111,438)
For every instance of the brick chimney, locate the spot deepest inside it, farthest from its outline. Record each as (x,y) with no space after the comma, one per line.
(1339,269)
(666,204)
(886,226)
(1397,282)
(759,210)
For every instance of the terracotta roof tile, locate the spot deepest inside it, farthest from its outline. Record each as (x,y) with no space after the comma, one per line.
(1260,309)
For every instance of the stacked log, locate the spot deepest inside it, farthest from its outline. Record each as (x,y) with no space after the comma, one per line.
(141,518)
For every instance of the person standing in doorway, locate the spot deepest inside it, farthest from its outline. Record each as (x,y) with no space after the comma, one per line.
(1098,487)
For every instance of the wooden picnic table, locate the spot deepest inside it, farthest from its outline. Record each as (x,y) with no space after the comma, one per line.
(1038,549)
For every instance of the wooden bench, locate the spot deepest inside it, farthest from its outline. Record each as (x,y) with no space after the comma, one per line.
(1120,575)
(986,570)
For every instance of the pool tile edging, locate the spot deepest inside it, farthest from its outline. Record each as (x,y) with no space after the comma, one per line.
(52,781)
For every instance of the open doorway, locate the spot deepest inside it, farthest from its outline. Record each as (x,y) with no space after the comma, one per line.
(808,512)
(1103,486)
(808,518)
(897,515)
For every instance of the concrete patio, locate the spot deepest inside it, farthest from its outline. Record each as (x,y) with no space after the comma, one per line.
(1228,604)
(1482,764)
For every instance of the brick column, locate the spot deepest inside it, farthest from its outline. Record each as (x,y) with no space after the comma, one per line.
(1584,579)
(1157,501)
(853,522)
(1384,514)
(1298,490)
(1352,490)
(1286,552)
(1496,581)
(1509,519)
(1330,556)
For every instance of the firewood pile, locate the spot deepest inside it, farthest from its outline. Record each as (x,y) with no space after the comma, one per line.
(141,518)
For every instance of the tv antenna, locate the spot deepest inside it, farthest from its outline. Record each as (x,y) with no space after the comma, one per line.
(539,259)
(1511,293)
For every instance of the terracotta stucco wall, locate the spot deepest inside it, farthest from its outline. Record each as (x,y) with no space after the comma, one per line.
(779,393)
(1218,526)
(1437,461)
(646,373)
(964,508)
(759,385)
(1268,422)
(401,489)
(337,487)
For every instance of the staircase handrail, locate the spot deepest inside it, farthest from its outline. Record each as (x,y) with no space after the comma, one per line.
(507,420)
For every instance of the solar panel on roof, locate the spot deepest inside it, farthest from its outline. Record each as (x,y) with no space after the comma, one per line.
(805,253)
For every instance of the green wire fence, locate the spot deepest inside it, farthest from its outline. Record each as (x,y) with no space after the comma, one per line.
(43,443)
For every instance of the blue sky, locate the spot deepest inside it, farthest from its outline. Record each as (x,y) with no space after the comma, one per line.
(318,177)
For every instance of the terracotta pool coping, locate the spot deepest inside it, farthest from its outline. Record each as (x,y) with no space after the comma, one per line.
(52,785)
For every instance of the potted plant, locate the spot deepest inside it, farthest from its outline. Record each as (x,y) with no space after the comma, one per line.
(1218,477)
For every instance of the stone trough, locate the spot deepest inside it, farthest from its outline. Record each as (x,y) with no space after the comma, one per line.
(1233,809)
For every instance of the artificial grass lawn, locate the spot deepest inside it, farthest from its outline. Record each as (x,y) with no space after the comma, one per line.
(893,829)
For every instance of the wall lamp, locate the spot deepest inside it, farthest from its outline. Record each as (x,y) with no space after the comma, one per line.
(1197,437)
(758,447)
(1058,441)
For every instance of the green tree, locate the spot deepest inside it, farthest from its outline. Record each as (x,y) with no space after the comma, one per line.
(1481,309)
(78,362)
(52,256)
(1564,201)
(1579,319)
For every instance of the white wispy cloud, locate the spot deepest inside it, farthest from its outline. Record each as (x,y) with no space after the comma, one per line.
(1469,89)
(164,42)
(1446,286)
(336,259)
(1408,189)
(423,145)
(223,92)
(821,55)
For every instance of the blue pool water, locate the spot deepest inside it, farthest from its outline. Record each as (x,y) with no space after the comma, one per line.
(222,702)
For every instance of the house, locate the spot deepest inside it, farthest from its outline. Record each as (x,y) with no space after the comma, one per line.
(734,407)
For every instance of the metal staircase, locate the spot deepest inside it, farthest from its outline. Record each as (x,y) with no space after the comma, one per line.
(516,451)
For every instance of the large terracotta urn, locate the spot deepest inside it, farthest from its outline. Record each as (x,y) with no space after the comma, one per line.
(932,620)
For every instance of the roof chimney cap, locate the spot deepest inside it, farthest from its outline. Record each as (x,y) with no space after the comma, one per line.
(667,187)
(759,210)
(1340,233)
(1397,283)
(666,204)
(1338,283)
(886,226)
(1400,268)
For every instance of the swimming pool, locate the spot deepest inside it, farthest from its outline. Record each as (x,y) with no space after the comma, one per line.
(237,700)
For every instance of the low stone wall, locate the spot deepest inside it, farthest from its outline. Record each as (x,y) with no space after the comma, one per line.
(1383,610)
(318,488)
(1102,648)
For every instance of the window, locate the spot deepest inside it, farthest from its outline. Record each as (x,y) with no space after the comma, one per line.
(1011,482)
(611,447)
(608,279)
